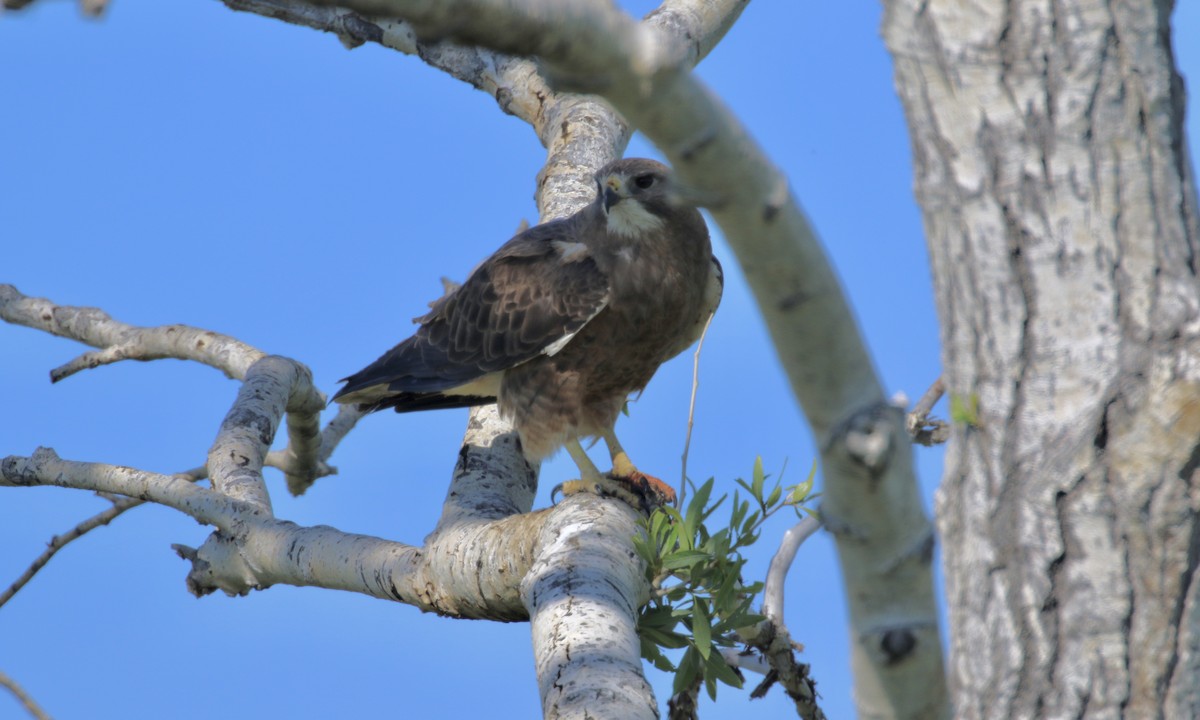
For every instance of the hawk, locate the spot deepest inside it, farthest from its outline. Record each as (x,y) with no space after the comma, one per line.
(562,323)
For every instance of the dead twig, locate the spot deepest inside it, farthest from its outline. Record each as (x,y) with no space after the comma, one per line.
(923,429)
(23,697)
(58,542)
(687,441)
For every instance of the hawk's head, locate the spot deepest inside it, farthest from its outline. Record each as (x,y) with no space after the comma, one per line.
(636,196)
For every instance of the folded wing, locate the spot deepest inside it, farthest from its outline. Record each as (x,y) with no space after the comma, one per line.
(527,299)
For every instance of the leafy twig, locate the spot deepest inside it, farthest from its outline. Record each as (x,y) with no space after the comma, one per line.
(696,579)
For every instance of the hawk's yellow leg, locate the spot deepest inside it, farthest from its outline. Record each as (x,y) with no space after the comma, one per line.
(622,465)
(592,480)
(625,481)
(646,486)
(588,472)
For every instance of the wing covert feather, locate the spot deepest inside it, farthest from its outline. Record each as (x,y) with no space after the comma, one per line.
(518,302)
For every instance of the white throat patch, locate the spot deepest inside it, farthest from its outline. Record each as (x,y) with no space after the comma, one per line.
(629,218)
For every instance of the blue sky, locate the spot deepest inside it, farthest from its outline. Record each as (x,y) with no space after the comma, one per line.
(181,163)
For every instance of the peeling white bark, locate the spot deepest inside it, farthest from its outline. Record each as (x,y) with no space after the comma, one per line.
(272,385)
(583,595)
(470,569)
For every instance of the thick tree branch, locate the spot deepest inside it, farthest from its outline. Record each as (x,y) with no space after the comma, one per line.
(492,481)
(583,594)
(467,568)
(592,47)
(272,386)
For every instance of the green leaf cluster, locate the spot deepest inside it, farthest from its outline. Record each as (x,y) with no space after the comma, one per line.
(965,410)
(699,596)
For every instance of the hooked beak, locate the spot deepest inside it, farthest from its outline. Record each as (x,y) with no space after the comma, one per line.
(610,198)
(612,192)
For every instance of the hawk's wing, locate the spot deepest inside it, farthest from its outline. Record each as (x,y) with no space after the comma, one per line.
(529,298)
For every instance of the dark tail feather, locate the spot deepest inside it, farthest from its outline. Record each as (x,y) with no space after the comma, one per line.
(413,402)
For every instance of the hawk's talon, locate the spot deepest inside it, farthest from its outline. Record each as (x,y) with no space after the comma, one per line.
(638,493)
(648,487)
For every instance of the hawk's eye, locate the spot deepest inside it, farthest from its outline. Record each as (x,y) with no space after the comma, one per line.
(644,181)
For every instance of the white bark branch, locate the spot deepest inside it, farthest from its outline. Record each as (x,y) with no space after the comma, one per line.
(94,327)
(272,385)
(492,481)
(580,132)
(46,468)
(593,47)
(303,465)
(470,564)
(100,519)
(583,594)
(467,568)
(772,606)
(771,651)
(283,460)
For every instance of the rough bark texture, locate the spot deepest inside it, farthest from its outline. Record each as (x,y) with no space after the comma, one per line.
(1061,215)
(583,593)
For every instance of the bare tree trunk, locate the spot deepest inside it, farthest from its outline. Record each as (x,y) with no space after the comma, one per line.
(1061,213)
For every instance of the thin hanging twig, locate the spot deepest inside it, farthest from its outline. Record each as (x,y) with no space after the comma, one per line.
(687,441)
